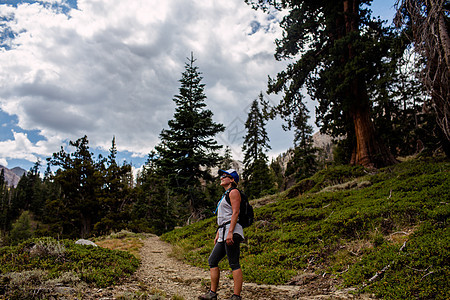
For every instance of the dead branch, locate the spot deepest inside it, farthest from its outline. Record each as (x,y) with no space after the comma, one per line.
(380,273)
(431,38)
(346,270)
(402,247)
(417,270)
(429,273)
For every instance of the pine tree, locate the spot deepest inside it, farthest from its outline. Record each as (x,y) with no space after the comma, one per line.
(28,195)
(5,205)
(340,48)
(81,181)
(258,180)
(304,162)
(227,162)
(114,199)
(21,229)
(153,210)
(188,149)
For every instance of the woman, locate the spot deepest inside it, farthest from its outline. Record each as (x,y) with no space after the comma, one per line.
(228,237)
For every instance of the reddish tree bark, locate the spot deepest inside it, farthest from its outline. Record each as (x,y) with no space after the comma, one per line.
(369,151)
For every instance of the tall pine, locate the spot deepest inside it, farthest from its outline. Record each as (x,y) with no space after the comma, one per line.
(81,181)
(340,49)
(153,211)
(304,161)
(188,148)
(258,180)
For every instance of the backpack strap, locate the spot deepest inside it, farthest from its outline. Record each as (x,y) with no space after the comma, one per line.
(227,194)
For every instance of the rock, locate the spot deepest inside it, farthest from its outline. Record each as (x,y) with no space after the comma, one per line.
(303,279)
(64,290)
(86,242)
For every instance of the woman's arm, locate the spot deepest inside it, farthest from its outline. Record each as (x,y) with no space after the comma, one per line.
(235,199)
(217,237)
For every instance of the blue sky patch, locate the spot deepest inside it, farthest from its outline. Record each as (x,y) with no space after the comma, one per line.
(64,7)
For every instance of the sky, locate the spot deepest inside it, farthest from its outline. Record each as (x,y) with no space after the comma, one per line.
(110,68)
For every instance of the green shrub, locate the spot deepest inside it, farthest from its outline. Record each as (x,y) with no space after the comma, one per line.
(21,229)
(93,265)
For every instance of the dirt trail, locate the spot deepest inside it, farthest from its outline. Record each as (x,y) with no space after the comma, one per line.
(172,277)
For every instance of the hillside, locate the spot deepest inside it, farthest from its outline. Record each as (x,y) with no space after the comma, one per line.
(383,232)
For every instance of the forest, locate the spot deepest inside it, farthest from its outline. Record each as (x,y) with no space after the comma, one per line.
(382,93)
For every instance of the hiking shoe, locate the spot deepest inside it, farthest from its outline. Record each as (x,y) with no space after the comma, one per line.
(208,295)
(235,297)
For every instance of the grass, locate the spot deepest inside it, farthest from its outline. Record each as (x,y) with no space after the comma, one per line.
(352,224)
(123,241)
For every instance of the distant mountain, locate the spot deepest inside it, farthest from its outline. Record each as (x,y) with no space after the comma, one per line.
(18,171)
(321,141)
(12,176)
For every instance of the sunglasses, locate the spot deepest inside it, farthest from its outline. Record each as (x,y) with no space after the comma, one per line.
(226,176)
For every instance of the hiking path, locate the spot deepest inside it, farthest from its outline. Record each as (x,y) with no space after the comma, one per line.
(162,274)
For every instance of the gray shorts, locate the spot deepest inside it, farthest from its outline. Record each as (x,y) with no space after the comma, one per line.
(232,252)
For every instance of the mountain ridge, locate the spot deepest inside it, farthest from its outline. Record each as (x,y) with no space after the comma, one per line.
(12,176)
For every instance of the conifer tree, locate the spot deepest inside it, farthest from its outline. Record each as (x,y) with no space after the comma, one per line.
(5,205)
(303,163)
(258,180)
(81,180)
(21,229)
(114,198)
(28,194)
(340,49)
(153,210)
(227,159)
(188,148)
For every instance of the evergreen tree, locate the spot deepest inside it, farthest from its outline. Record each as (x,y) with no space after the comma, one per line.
(399,112)
(188,149)
(227,162)
(304,162)
(153,210)
(28,195)
(257,178)
(114,199)
(21,229)
(81,180)
(2,181)
(278,173)
(341,48)
(5,204)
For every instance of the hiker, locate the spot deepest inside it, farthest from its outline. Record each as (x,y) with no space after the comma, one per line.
(228,237)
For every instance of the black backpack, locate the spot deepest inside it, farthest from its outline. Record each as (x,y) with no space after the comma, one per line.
(246,215)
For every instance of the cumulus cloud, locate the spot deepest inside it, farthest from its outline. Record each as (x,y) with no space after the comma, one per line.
(20,147)
(111,68)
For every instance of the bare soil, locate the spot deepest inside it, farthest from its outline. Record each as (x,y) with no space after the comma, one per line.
(163,275)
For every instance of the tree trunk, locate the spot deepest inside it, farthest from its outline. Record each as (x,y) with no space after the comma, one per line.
(369,151)
(445,39)
(444,113)
(85,226)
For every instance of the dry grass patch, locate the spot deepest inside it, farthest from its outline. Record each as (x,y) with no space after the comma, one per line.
(123,241)
(132,245)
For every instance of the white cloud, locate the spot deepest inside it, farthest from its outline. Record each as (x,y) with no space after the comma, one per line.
(3,162)
(111,68)
(20,148)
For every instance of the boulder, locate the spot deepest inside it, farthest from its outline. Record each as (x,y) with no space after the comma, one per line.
(86,242)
